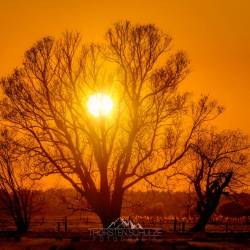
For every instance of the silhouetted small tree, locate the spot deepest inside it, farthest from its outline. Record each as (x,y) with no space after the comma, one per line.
(217,162)
(18,200)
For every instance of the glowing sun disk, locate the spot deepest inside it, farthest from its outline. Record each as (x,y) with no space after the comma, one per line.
(99,104)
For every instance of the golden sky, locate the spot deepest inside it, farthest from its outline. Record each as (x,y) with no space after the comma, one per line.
(214,33)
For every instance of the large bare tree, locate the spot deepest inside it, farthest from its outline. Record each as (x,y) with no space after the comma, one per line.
(101,157)
(217,164)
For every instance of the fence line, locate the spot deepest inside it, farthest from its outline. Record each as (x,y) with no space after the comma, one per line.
(66,224)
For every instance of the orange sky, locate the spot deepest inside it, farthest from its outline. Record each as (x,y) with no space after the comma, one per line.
(215,34)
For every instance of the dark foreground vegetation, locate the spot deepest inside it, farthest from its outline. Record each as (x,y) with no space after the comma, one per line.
(171,242)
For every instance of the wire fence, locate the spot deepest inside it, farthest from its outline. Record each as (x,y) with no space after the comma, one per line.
(67,224)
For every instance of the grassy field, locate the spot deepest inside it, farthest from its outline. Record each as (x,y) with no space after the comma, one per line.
(76,224)
(52,244)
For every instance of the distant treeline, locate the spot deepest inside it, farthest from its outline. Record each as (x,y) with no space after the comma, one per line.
(64,202)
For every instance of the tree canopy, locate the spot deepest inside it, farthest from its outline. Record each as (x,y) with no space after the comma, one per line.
(149,130)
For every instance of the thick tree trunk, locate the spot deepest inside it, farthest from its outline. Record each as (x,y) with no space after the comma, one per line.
(22,226)
(206,215)
(202,222)
(108,218)
(110,213)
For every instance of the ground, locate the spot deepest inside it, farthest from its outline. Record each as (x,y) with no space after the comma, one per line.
(53,244)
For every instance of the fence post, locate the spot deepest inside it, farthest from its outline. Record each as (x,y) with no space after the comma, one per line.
(58,227)
(65,224)
(226,226)
(183,226)
(175,223)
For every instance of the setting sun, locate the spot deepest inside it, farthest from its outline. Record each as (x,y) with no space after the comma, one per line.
(99,104)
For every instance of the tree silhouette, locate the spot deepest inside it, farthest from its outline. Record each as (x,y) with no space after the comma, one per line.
(101,157)
(18,199)
(217,163)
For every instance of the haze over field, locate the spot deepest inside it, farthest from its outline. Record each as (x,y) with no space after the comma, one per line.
(215,35)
